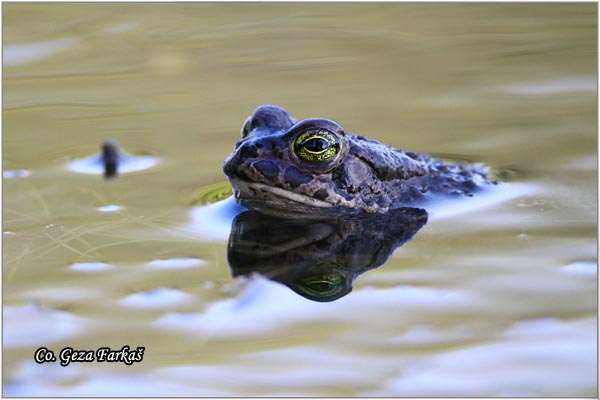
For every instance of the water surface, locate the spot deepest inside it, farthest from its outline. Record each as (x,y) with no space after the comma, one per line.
(497,298)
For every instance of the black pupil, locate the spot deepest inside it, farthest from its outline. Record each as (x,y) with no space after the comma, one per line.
(316,145)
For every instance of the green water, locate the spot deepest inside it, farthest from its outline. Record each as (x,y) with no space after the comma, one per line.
(495,300)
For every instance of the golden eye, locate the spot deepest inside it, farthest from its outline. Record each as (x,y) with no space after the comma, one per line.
(317,146)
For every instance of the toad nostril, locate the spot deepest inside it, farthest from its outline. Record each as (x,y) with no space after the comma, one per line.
(259,145)
(249,151)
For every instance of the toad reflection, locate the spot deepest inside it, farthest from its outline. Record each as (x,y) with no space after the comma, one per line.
(318,259)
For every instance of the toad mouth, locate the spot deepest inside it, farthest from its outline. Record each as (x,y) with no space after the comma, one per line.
(250,190)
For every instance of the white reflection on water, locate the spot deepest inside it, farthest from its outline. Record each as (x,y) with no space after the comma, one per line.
(19,54)
(176,263)
(537,350)
(265,306)
(490,196)
(583,268)
(91,266)
(93,164)
(22,326)
(54,380)
(527,354)
(16,173)
(157,298)
(213,221)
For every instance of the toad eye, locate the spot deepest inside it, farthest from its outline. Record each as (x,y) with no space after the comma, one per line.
(317,146)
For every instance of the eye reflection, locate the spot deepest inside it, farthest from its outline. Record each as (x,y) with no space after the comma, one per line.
(325,286)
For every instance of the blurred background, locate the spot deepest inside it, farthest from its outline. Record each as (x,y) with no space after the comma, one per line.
(500,301)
